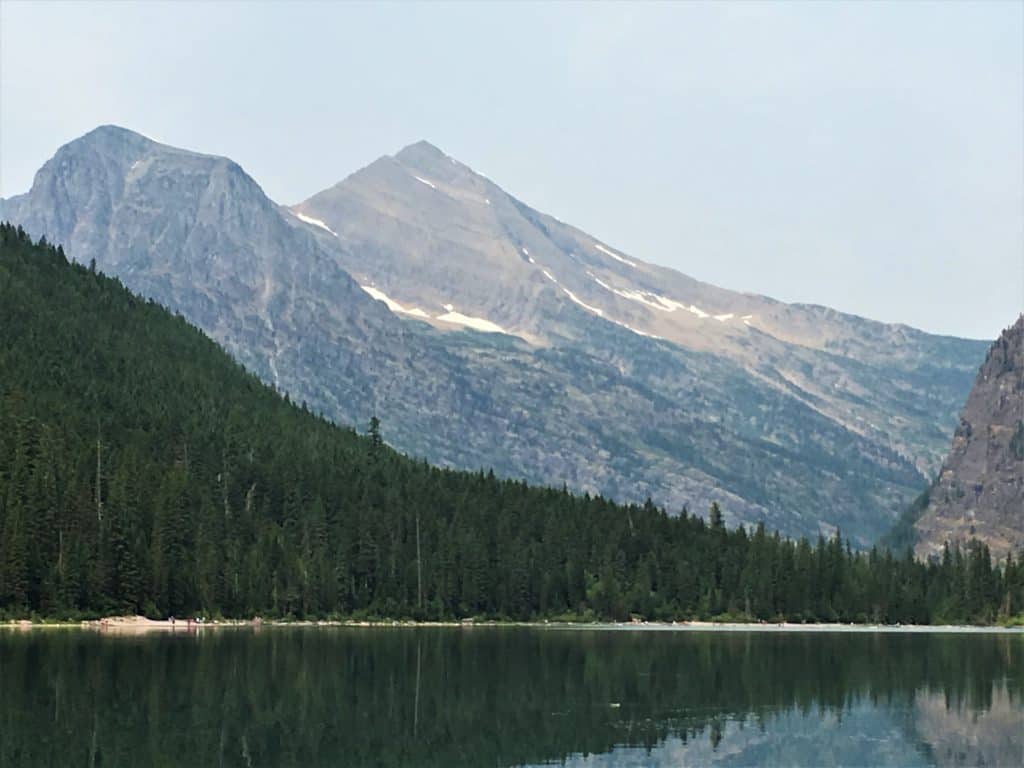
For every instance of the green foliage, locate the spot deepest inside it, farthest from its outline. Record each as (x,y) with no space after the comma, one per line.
(142,470)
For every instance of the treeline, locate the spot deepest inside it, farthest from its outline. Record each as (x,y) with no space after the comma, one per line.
(141,470)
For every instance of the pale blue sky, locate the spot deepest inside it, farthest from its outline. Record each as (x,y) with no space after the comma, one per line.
(867,156)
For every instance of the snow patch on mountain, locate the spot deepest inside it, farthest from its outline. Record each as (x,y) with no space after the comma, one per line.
(636,331)
(476,323)
(578,300)
(615,256)
(393,305)
(424,181)
(659,302)
(314,222)
(641,333)
(696,311)
(650,299)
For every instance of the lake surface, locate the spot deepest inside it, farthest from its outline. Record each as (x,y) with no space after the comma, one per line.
(508,697)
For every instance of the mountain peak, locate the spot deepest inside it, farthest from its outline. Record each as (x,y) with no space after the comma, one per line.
(114,131)
(126,145)
(111,138)
(421,153)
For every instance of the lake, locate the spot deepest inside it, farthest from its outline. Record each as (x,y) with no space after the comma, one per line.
(497,696)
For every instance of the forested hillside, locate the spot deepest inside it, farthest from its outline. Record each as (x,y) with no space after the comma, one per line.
(141,469)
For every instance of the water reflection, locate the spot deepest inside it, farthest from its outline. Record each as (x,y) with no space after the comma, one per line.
(960,735)
(504,697)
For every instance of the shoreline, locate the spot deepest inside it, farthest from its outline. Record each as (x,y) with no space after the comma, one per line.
(141,624)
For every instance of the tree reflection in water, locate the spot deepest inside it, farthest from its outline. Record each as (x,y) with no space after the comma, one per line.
(508,696)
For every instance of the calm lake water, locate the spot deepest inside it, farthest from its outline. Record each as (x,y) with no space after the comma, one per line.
(509,697)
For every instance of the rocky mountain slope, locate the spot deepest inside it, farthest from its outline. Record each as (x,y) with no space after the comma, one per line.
(487,334)
(980,490)
(440,243)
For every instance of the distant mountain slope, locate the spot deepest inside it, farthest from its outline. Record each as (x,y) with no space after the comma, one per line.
(800,416)
(428,233)
(980,490)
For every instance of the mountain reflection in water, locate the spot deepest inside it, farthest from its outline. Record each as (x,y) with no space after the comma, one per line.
(510,696)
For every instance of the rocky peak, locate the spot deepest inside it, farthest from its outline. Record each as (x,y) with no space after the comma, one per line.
(110,139)
(421,152)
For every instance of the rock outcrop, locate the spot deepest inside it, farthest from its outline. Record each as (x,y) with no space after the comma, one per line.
(979,493)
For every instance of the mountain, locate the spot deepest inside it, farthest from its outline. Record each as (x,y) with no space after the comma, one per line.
(486,334)
(143,470)
(979,494)
(196,233)
(425,233)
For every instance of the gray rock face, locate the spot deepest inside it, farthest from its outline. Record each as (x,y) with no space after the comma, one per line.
(611,376)
(980,491)
(427,232)
(195,233)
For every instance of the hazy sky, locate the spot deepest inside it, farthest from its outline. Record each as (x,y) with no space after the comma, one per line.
(867,156)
